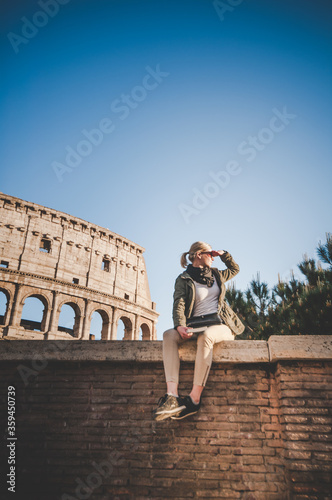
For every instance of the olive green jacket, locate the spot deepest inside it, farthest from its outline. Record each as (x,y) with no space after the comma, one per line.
(184,296)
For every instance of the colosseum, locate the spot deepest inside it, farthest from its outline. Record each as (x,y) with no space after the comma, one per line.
(62,260)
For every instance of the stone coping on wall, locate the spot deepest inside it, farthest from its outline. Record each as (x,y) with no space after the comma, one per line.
(278,347)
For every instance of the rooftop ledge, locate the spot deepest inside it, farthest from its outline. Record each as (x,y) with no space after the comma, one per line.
(278,347)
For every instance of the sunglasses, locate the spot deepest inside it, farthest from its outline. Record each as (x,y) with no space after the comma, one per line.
(207,253)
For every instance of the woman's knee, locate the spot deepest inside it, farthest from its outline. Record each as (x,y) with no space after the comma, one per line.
(205,338)
(217,333)
(170,334)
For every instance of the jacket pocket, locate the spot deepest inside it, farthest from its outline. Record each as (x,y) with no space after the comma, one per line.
(231,319)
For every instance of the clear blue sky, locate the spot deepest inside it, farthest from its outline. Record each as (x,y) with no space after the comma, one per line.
(247,89)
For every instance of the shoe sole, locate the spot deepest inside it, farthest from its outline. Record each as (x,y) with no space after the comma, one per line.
(184,416)
(168,414)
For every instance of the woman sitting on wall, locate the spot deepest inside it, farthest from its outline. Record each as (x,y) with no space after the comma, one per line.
(199,313)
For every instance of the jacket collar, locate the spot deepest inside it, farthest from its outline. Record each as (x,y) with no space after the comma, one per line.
(185,274)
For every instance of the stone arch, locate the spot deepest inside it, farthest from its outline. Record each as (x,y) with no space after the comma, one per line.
(28,324)
(128,326)
(78,314)
(27,292)
(4,317)
(106,320)
(64,299)
(146,331)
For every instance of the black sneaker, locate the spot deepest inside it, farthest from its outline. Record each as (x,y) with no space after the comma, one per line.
(190,408)
(168,406)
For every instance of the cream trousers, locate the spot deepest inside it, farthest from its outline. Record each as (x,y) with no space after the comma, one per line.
(203,362)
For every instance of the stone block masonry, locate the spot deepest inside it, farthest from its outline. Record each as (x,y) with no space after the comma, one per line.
(63,260)
(84,426)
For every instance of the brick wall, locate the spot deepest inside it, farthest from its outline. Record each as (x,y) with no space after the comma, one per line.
(305,400)
(84,426)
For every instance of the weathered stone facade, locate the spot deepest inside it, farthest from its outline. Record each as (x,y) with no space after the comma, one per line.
(61,259)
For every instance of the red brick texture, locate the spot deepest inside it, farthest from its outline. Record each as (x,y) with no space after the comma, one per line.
(305,401)
(85,431)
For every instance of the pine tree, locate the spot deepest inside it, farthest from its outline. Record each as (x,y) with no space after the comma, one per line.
(291,308)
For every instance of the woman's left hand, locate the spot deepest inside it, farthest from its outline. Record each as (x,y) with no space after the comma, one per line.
(217,253)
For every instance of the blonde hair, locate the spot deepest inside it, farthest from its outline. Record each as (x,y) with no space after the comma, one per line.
(198,246)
